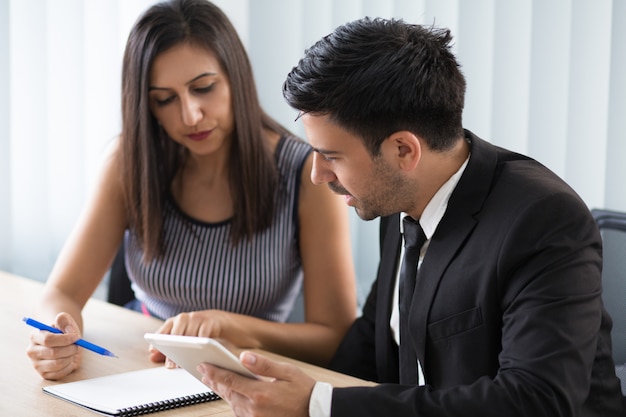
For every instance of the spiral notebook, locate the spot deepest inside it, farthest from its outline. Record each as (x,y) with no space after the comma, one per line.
(135,393)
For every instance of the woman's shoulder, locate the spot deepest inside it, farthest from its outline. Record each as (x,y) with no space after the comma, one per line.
(291,147)
(291,155)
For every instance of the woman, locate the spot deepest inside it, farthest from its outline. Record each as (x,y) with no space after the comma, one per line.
(214,201)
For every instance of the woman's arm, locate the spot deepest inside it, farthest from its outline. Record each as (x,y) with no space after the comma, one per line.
(90,248)
(80,267)
(329,278)
(329,289)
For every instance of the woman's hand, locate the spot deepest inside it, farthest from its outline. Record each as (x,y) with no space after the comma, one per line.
(55,355)
(235,328)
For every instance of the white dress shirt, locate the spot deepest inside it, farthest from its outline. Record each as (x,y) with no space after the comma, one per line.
(321,396)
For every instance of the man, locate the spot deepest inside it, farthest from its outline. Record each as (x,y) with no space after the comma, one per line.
(506,316)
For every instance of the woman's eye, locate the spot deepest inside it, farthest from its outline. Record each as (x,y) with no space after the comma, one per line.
(203,90)
(165,101)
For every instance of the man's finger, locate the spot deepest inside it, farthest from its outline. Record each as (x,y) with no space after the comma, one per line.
(263,366)
(287,392)
(220,380)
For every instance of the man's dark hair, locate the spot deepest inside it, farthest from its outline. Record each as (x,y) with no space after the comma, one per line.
(374,77)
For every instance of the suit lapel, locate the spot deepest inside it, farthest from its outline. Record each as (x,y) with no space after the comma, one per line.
(456,225)
(442,248)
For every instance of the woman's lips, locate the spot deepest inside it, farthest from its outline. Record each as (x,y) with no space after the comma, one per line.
(199,135)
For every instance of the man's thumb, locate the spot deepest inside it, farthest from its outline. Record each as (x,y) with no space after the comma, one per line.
(260,365)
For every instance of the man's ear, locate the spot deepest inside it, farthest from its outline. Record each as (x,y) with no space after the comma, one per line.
(404,149)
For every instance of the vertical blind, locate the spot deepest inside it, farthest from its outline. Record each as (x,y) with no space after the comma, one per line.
(545,78)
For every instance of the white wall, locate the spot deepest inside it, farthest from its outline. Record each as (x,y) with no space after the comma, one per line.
(545,78)
(5,189)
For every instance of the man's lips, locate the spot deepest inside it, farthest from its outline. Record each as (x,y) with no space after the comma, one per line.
(337,189)
(341,191)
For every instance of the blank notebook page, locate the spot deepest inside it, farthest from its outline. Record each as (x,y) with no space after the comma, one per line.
(114,394)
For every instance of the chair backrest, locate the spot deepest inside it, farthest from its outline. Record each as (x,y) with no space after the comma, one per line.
(120,291)
(612,226)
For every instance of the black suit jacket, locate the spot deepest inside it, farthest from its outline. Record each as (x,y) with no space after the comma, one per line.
(507,316)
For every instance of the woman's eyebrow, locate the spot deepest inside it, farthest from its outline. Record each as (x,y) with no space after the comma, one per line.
(204,74)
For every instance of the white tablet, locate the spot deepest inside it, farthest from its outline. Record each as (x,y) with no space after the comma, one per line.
(190,351)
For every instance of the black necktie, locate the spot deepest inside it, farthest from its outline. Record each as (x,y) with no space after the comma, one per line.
(414,238)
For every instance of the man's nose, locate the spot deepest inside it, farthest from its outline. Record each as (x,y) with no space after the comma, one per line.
(320,174)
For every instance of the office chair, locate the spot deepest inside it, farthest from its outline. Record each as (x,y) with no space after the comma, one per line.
(612,226)
(120,291)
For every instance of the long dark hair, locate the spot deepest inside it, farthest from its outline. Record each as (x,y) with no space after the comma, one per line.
(150,159)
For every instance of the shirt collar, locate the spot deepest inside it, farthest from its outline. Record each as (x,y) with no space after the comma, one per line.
(436,207)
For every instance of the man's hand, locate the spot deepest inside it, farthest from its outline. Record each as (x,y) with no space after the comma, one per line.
(284,389)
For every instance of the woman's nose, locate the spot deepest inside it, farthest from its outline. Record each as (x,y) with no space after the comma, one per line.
(191,111)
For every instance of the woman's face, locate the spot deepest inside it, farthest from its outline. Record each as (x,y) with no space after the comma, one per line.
(190,97)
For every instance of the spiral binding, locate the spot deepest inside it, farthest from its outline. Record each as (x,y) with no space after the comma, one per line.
(169,404)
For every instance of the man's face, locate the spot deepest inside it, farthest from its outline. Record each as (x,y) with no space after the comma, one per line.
(370,184)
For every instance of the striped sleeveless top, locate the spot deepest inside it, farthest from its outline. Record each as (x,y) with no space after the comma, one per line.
(201,269)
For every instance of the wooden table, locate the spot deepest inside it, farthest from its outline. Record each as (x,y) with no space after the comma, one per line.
(118,329)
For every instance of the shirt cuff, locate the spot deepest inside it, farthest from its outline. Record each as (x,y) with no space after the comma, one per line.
(321,398)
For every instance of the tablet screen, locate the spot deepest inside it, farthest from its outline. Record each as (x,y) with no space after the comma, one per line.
(189,351)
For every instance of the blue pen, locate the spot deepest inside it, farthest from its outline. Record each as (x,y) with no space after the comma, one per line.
(80,342)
